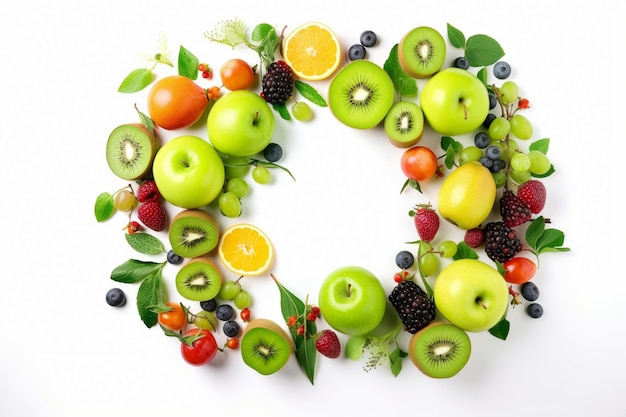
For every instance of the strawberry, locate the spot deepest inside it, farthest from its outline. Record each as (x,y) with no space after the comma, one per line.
(152,214)
(533,193)
(148,191)
(426,222)
(327,343)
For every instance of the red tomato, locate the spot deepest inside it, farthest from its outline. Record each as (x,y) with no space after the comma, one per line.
(519,270)
(419,163)
(202,350)
(175,319)
(236,74)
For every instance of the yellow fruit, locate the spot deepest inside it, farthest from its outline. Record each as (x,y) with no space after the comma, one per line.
(312,51)
(245,250)
(467,195)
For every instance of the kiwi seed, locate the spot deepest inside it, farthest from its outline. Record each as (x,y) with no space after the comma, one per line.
(193,232)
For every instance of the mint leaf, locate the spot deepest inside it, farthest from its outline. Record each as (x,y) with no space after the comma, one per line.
(104,209)
(145,243)
(310,93)
(354,347)
(482,50)
(137,80)
(133,271)
(543,240)
(404,85)
(456,37)
(534,231)
(282,110)
(501,329)
(464,251)
(150,293)
(187,63)
(261,31)
(540,145)
(395,360)
(452,148)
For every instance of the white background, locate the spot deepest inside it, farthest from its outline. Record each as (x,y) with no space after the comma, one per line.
(65,352)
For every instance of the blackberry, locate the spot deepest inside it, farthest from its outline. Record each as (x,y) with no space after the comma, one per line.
(414,307)
(514,210)
(277,83)
(501,242)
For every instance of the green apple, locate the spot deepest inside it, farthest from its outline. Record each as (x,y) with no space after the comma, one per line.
(471,295)
(352,300)
(454,101)
(240,123)
(188,172)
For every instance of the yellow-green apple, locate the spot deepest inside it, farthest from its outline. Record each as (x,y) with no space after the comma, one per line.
(454,101)
(471,295)
(240,124)
(352,300)
(188,172)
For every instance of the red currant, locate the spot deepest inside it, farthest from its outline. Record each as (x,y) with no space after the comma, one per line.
(202,67)
(207,74)
(300,330)
(311,316)
(245,314)
(232,343)
(523,103)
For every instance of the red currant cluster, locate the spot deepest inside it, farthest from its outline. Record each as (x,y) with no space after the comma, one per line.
(205,71)
(312,313)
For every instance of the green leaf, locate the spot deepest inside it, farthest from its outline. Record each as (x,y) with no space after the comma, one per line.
(483,76)
(501,329)
(150,293)
(464,251)
(395,360)
(187,63)
(354,347)
(306,354)
(104,209)
(482,50)
(145,243)
(456,37)
(412,184)
(271,165)
(543,240)
(310,93)
(282,110)
(534,231)
(133,271)
(145,120)
(541,145)
(452,148)
(261,31)
(137,80)
(404,85)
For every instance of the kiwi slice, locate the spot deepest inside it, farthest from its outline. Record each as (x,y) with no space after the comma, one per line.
(193,232)
(130,151)
(440,350)
(404,124)
(265,346)
(422,52)
(199,279)
(361,94)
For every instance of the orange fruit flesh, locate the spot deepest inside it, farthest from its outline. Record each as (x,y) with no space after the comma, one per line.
(312,52)
(244,250)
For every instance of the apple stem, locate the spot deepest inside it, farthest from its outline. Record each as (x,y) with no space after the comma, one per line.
(349,292)
(256,118)
(479,301)
(464,109)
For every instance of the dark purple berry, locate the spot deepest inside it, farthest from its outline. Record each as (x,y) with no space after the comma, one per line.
(115,297)
(356,52)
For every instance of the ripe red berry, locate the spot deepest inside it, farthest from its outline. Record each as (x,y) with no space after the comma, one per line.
(245,314)
(474,238)
(148,191)
(426,223)
(327,343)
(152,214)
(523,103)
(207,74)
(232,343)
(514,210)
(311,316)
(533,193)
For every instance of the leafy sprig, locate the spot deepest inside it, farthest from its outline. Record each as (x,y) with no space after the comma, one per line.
(479,50)
(380,349)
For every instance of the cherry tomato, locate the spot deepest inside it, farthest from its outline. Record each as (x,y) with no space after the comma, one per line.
(203,348)
(519,270)
(236,74)
(175,319)
(419,163)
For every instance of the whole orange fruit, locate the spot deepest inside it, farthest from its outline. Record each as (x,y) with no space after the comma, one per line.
(176,102)
(236,74)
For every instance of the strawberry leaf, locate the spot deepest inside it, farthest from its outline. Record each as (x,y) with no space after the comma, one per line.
(145,243)
(104,209)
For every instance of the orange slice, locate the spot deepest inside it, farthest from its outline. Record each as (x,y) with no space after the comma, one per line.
(312,51)
(245,250)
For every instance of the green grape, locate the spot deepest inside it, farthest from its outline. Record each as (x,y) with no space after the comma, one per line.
(509,92)
(236,166)
(521,127)
(424,247)
(499,128)
(301,111)
(513,146)
(499,178)
(239,186)
(229,290)
(520,177)
(205,320)
(242,300)
(539,162)
(261,175)
(124,200)
(520,162)
(428,264)
(470,153)
(447,248)
(229,204)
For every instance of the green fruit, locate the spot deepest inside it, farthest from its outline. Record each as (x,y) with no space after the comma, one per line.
(404,124)
(422,52)
(199,279)
(205,320)
(440,350)
(193,232)
(265,346)
(130,151)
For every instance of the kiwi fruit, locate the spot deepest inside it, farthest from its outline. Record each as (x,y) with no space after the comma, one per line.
(130,151)
(422,52)
(265,346)
(440,350)
(193,232)
(361,94)
(199,279)
(404,124)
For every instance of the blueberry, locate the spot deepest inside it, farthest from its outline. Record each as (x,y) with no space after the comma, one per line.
(534,310)
(231,328)
(273,152)
(356,51)
(490,118)
(209,305)
(225,312)
(174,258)
(486,162)
(481,140)
(405,259)
(501,70)
(498,165)
(116,297)
(529,291)
(461,62)
(493,101)
(368,38)
(493,152)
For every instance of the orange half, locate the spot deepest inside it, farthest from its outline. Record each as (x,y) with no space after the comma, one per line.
(312,50)
(245,250)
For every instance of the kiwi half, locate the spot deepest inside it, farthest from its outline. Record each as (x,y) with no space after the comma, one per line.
(422,52)
(130,151)
(265,346)
(199,279)
(440,350)
(404,124)
(361,94)
(193,232)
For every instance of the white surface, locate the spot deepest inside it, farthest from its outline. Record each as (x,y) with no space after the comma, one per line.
(64,352)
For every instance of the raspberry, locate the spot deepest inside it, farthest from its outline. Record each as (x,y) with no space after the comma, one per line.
(514,210)
(148,191)
(152,214)
(277,83)
(474,238)
(414,307)
(426,223)
(501,242)
(327,343)
(533,193)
